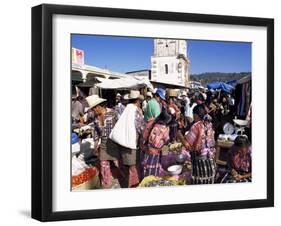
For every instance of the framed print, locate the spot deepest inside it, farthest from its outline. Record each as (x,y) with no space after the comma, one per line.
(141,112)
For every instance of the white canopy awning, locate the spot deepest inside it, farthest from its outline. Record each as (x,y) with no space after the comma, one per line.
(124,83)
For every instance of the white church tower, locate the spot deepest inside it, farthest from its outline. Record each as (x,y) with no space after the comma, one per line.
(169,63)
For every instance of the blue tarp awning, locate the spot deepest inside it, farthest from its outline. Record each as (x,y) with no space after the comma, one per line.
(232,82)
(220,85)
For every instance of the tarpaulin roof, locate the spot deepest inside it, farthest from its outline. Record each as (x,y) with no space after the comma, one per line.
(232,82)
(220,85)
(88,83)
(124,83)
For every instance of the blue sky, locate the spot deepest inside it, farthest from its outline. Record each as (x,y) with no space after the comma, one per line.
(124,54)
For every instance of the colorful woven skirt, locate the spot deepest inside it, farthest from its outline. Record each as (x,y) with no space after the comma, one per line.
(203,170)
(151,165)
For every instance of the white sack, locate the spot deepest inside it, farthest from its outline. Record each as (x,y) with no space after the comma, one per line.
(124,131)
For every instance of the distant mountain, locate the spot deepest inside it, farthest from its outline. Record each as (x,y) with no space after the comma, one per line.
(208,77)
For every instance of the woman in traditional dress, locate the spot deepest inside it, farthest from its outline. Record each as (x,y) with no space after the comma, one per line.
(156,135)
(199,140)
(239,162)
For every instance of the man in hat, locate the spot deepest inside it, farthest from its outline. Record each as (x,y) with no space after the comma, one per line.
(186,103)
(119,107)
(154,106)
(77,109)
(104,122)
(125,136)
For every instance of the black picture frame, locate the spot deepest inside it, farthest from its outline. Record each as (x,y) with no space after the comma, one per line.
(42,111)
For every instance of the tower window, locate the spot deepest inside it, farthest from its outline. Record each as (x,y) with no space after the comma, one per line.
(166,69)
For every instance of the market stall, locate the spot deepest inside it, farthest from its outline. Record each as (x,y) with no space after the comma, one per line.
(85,175)
(243,96)
(175,170)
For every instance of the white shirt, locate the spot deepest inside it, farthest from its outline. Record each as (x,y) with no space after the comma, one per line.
(186,107)
(190,111)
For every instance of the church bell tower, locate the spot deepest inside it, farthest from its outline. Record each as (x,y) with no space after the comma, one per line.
(169,63)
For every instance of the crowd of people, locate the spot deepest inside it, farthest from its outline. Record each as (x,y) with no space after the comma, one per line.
(130,136)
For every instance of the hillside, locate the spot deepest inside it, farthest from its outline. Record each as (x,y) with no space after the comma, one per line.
(208,77)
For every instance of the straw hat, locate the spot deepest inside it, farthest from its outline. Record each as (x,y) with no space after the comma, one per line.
(94,100)
(126,96)
(134,94)
(184,93)
(172,93)
(149,94)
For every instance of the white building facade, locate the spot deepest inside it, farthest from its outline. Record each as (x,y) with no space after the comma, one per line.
(169,63)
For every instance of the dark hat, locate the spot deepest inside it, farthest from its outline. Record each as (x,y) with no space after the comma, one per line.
(242,141)
(164,117)
(199,110)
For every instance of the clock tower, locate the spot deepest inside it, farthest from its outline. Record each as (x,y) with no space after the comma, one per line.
(169,63)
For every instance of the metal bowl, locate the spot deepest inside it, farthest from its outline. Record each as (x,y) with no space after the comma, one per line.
(241,122)
(180,158)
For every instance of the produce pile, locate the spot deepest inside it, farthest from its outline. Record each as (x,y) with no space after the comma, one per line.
(83,177)
(81,172)
(160,183)
(152,181)
(176,147)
